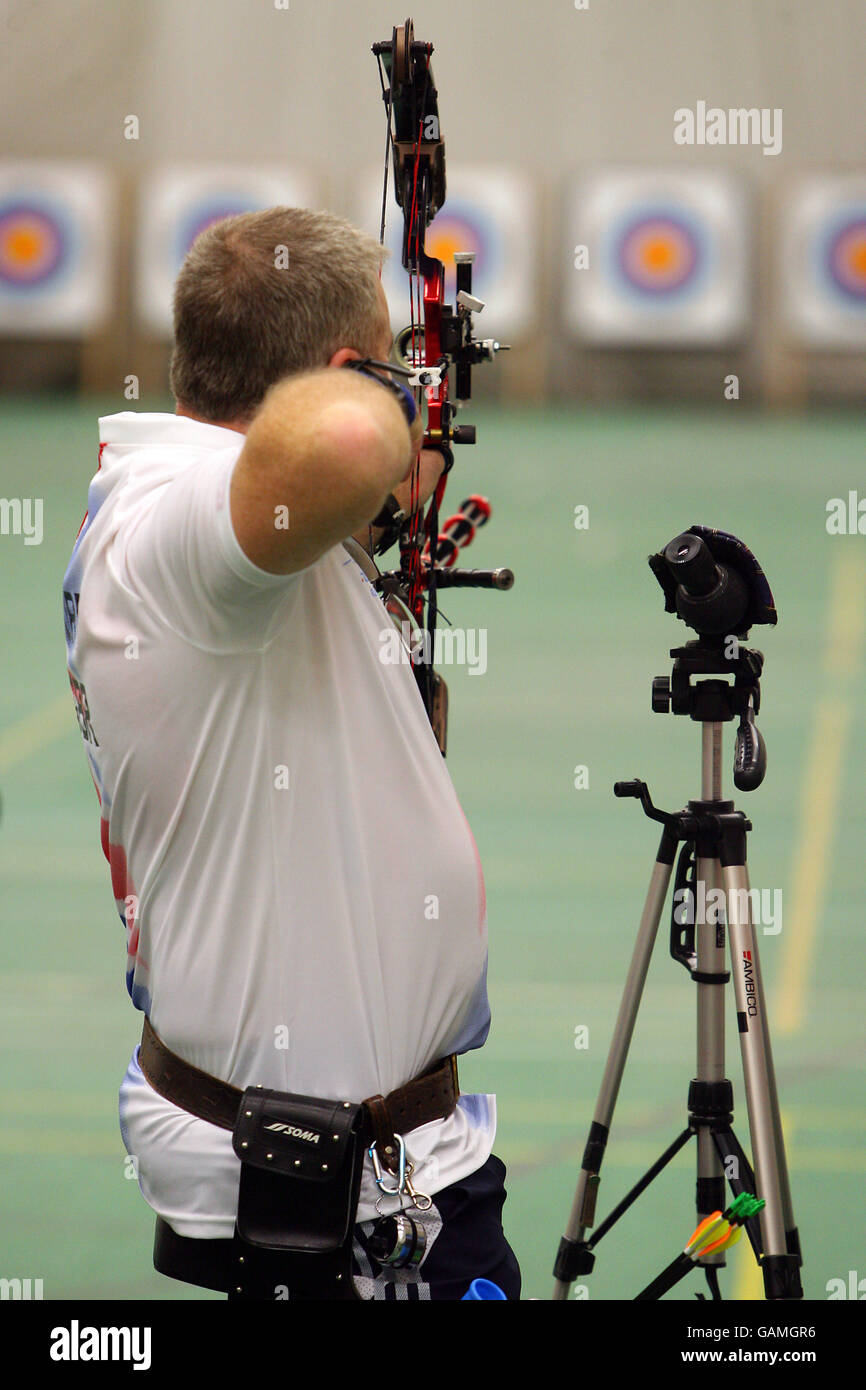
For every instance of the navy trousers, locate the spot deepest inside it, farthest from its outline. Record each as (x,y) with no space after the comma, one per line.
(465,1241)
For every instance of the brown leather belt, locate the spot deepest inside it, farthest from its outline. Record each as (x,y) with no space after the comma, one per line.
(431,1096)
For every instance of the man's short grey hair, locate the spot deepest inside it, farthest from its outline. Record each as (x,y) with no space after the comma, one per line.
(267,294)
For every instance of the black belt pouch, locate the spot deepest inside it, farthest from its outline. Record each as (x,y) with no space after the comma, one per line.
(301,1163)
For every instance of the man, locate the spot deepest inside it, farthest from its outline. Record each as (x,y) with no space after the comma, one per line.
(302,895)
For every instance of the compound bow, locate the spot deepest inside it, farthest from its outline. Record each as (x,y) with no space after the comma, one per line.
(437,340)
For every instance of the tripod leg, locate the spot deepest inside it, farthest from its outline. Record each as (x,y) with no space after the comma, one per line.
(710,1097)
(573,1257)
(781,1248)
(791,1233)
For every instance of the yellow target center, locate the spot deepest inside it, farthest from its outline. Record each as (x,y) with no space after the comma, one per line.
(23,245)
(857,257)
(658,254)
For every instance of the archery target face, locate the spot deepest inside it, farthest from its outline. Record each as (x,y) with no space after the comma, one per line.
(488,211)
(35,242)
(823,261)
(659,253)
(178,203)
(845,257)
(458,227)
(55,229)
(666,258)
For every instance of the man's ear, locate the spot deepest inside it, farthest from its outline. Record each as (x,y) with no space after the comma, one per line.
(344,355)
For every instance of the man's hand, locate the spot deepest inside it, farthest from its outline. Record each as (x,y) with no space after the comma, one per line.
(431,465)
(430,471)
(416,432)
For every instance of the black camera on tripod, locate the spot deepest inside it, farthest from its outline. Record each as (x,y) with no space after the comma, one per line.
(714,583)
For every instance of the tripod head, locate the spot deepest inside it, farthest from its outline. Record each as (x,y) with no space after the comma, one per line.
(714,584)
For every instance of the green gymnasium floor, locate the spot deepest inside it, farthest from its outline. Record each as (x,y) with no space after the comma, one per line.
(571,654)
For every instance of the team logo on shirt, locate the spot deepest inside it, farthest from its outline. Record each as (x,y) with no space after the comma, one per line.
(82,711)
(70,614)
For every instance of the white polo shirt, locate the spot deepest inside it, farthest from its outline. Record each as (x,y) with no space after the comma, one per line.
(302,896)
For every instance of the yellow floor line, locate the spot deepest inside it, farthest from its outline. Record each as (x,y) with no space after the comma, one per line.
(823,783)
(821,793)
(822,786)
(35,731)
(748,1280)
(847,619)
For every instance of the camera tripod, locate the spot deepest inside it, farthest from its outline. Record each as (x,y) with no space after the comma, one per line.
(714,583)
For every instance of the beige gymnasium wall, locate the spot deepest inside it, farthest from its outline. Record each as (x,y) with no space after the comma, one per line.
(546,87)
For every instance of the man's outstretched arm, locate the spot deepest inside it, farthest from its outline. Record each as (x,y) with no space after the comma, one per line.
(329,446)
